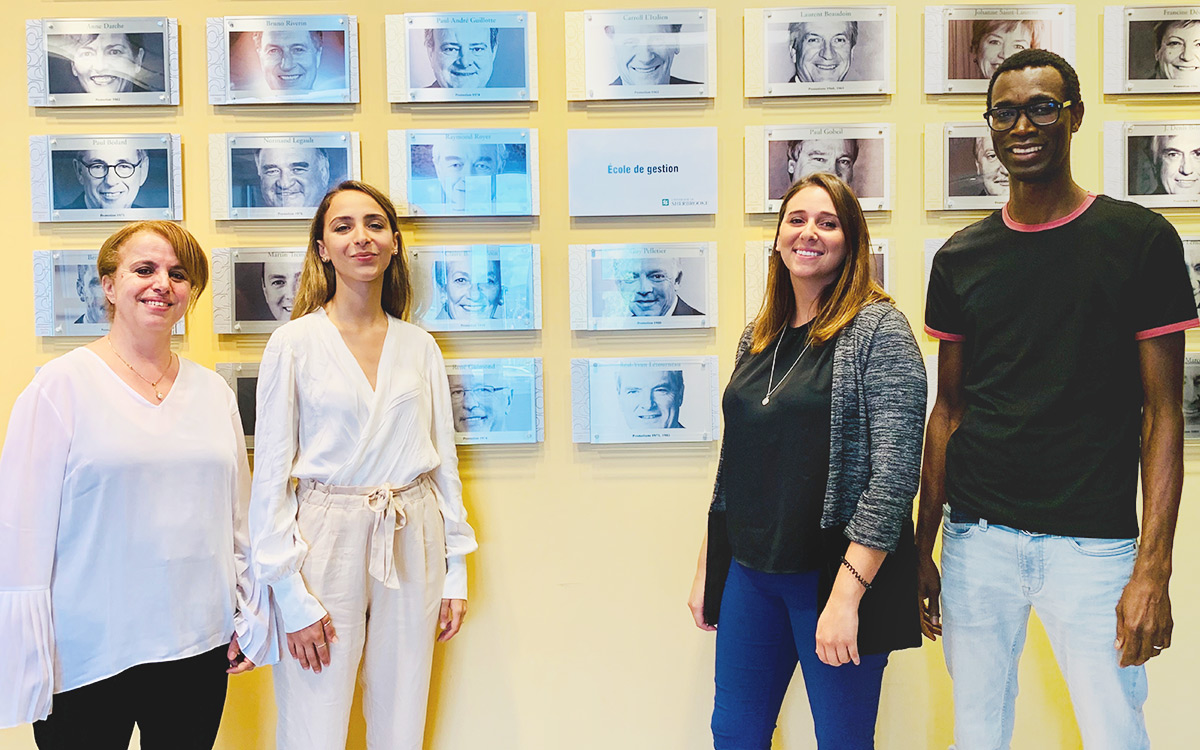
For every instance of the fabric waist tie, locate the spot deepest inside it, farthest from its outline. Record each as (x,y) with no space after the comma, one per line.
(390,506)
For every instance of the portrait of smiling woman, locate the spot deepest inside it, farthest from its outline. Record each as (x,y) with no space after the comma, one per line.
(123,490)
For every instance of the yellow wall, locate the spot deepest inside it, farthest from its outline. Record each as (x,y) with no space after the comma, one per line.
(578,634)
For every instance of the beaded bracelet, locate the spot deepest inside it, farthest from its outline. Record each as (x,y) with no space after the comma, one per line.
(854,573)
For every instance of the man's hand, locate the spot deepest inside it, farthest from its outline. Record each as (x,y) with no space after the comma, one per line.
(929,591)
(1144,621)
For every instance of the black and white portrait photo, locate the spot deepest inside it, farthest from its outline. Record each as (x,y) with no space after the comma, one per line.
(257,59)
(858,154)
(965,43)
(1191,396)
(496,400)
(242,378)
(1161,162)
(973,177)
(644,399)
(106,178)
(476,287)
(1191,255)
(463,57)
(1159,47)
(823,50)
(280,175)
(254,289)
(647,54)
(103,61)
(668,285)
(464,172)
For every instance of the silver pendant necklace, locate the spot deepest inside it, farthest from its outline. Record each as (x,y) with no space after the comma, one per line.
(771,378)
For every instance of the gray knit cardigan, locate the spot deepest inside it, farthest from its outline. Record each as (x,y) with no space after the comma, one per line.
(876,423)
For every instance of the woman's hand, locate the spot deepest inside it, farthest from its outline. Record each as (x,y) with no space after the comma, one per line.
(310,645)
(929,590)
(696,600)
(238,662)
(837,633)
(450,619)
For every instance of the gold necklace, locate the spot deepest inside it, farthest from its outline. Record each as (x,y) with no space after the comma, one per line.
(153,384)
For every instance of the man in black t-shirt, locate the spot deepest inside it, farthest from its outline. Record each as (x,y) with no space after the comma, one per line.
(1061,322)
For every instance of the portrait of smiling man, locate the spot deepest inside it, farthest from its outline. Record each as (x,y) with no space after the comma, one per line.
(480,403)
(91,294)
(280,282)
(291,176)
(833,155)
(289,58)
(467,172)
(821,50)
(461,56)
(644,53)
(650,399)
(1056,387)
(1176,163)
(111,177)
(649,287)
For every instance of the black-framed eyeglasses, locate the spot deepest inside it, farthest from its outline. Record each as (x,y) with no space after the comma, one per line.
(1041,114)
(99,170)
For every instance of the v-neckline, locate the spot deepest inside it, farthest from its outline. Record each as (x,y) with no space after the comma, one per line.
(387,335)
(130,389)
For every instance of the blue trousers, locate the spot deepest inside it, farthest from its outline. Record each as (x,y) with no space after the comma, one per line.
(768,623)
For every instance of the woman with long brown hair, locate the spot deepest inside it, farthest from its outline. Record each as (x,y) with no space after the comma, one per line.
(809,555)
(356,511)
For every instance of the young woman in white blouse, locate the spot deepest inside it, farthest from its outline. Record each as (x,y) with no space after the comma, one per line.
(125,590)
(356,514)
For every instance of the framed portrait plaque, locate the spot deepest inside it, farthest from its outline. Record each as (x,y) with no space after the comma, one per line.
(965,43)
(970,177)
(277,175)
(623,287)
(1152,49)
(1156,164)
(106,177)
(643,53)
(645,400)
(815,51)
(254,288)
(490,172)
(242,378)
(462,57)
(1191,397)
(931,248)
(67,297)
(758,260)
(778,155)
(1191,255)
(278,59)
(496,400)
(477,287)
(91,62)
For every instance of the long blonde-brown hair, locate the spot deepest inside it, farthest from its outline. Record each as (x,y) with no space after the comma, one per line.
(318,280)
(840,300)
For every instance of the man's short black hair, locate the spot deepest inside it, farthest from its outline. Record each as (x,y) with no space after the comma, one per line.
(1039,58)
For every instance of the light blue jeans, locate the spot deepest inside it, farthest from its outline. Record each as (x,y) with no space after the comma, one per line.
(991,576)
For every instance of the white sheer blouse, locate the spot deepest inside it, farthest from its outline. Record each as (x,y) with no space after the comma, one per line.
(318,418)
(122,531)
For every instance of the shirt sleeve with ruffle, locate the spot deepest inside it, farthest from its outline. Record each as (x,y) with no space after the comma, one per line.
(278,548)
(32,467)
(258,630)
(460,537)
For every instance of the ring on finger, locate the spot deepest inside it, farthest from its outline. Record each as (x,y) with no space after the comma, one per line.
(322,645)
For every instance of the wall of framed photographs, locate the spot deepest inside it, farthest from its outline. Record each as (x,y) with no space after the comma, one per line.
(578,632)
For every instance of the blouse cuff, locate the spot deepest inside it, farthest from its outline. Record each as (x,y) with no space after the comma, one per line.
(456,578)
(259,632)
(27,659)
(298,607)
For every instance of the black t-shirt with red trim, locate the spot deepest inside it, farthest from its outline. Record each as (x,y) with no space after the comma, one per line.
(1049,317)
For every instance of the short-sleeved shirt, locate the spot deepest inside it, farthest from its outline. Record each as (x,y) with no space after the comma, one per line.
(1049,317)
